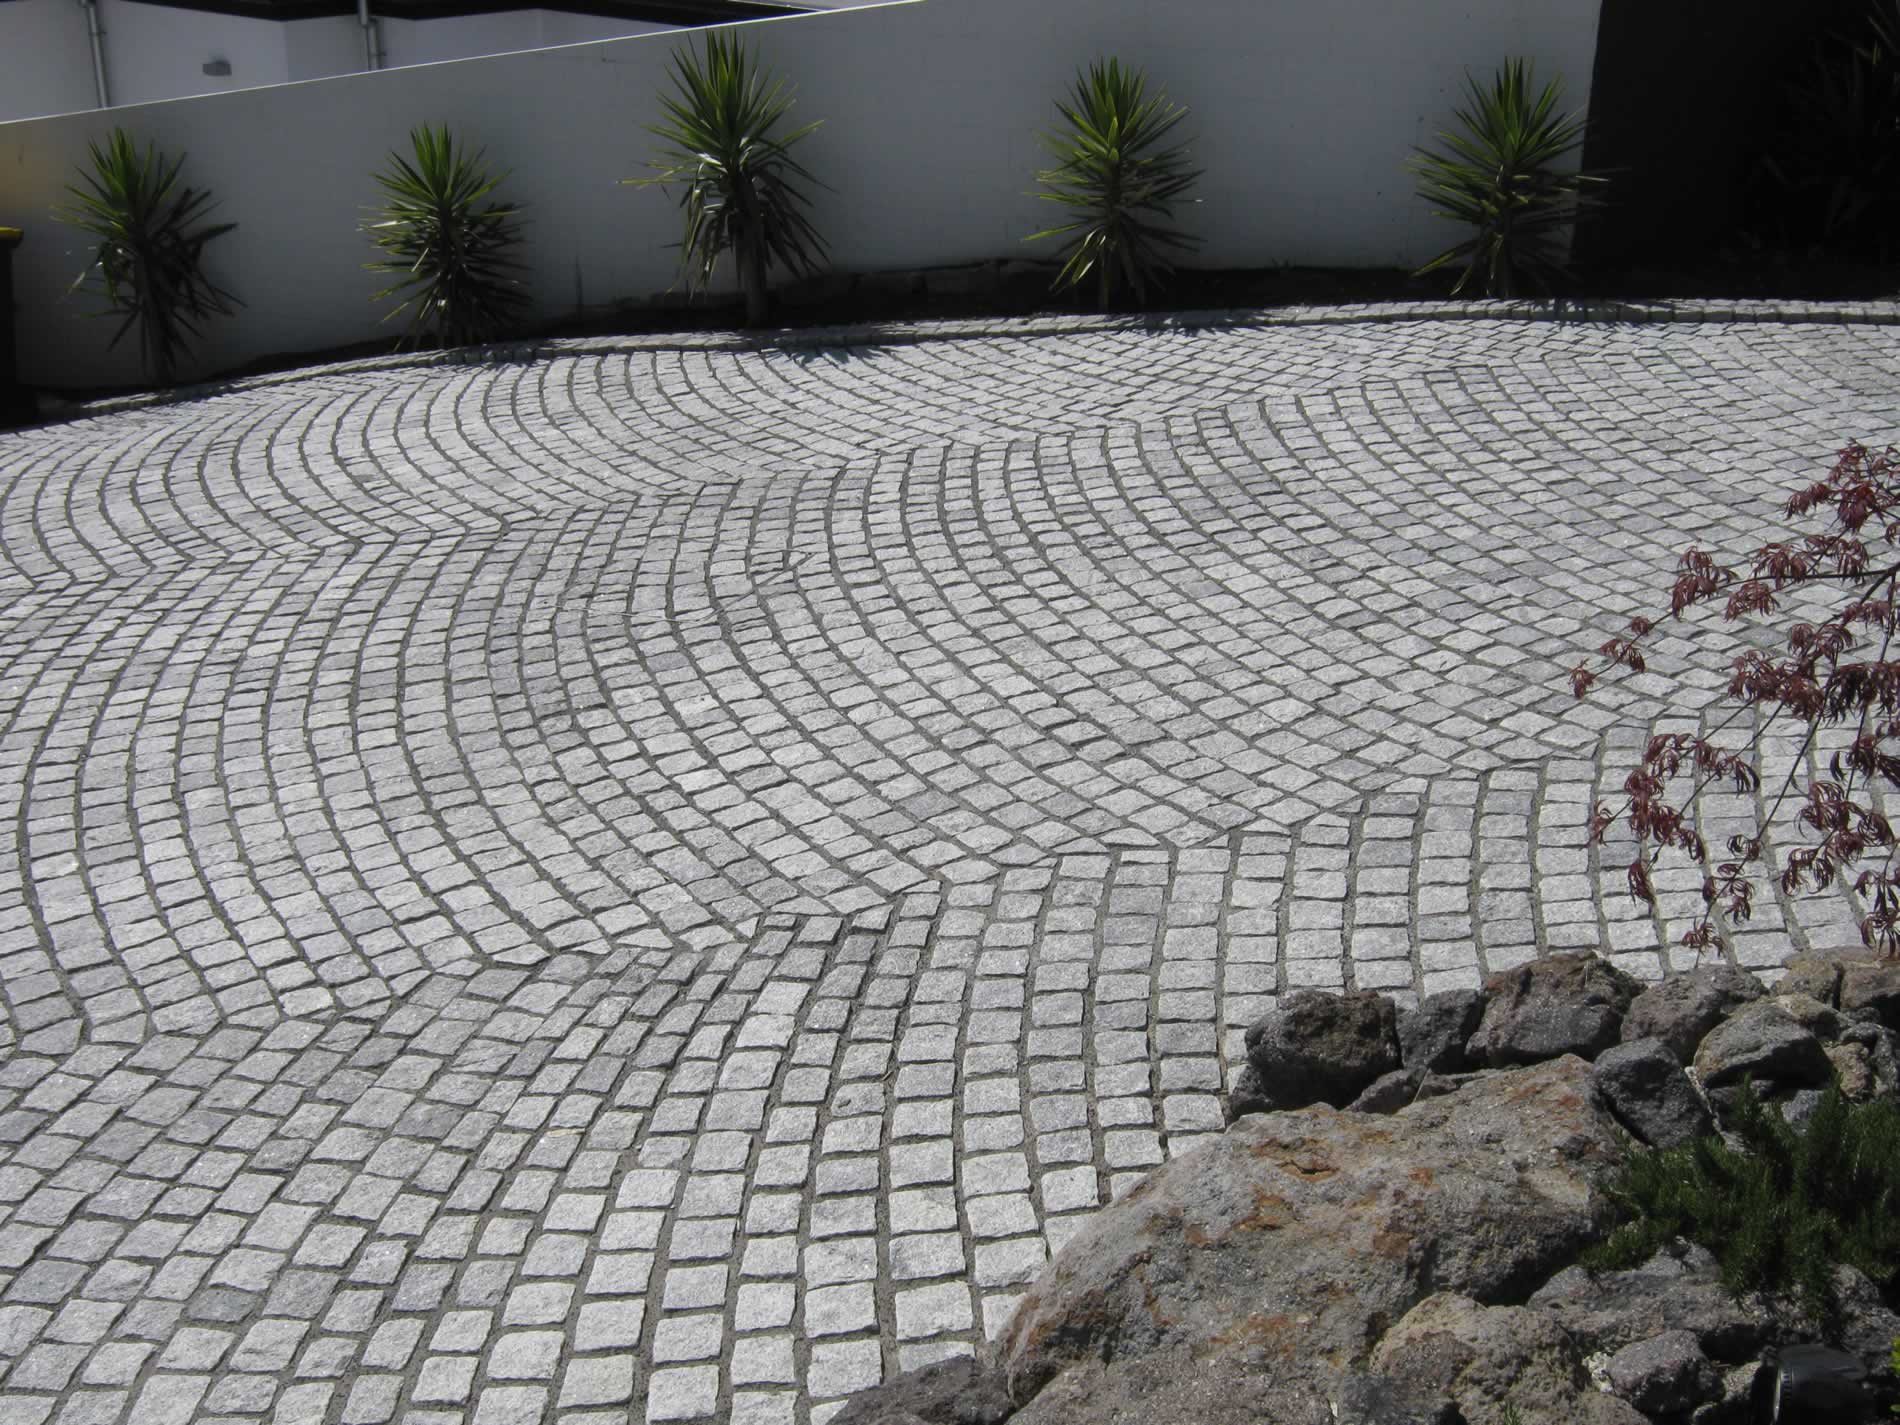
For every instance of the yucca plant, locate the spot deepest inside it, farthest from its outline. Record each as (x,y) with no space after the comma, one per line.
(1501,178)
(147,262)
(739,184)
(451,254)
(1117,174)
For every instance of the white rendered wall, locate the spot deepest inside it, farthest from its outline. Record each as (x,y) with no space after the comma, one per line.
(316,49)
(155,52)
(1303,113)
(561,28)
(45,60)
(408,42)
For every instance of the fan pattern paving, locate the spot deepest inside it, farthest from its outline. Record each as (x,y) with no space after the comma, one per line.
(663,882)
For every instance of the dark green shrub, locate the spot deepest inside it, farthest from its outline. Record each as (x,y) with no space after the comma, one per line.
(739,184)
(451,255)
(1830,175)
(1116,174)
(1780,1212)
(1502,178)
(150,237)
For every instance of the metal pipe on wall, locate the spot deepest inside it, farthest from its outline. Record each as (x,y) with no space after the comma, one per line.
(372,41)
(98,33)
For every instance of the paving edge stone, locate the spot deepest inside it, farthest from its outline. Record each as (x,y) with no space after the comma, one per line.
(1763,312)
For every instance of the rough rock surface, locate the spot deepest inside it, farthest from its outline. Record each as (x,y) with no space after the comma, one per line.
(1648,1091)
(1382,1400)
(1869,1329)
(1665,1375)
(1882,1048)
(1611,1310)
(1487,1358)
(1433,1036)
(1323,1048)
(1872,986)
(1248,1094)
(1402,1087)
(1819,976)
(1683,1008)
(1762,1041)
(1265,1265)
(959,1392)
(1853,1068)
(1561,1004)
(1613,1313)
(1821,1020)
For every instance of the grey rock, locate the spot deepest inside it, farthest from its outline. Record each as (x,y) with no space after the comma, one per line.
(1248,1094)
(1683,1008)
(1798,1107)
(1853,1066)
(1168,1388)
(1487,1359)
(1764,1042)
(1385,1400)
(1390,1092)
(1872,985)
(1647,1089)
(1610,1310)
(1821,1020)
(1434,1035)
(1323,1048)
(958,1392)
(1868,1328)
(1263,1264)
(1736,1404)
(1882,1049)
(1818,976)
(1561,1004)
(1665,1375)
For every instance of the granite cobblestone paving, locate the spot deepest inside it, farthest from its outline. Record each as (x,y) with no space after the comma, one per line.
(660,882)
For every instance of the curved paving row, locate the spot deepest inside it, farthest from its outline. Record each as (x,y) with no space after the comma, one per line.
(666,882)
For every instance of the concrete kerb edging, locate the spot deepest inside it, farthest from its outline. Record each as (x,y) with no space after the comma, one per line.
(1883,313)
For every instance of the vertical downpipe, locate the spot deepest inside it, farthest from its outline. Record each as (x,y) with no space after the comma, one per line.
(98,33)
(372,41)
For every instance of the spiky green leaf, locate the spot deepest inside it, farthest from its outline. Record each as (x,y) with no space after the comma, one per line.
(1120,178)
(452,255)
(148,255)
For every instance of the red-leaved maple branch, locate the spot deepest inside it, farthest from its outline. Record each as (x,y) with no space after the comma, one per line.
(1819,678)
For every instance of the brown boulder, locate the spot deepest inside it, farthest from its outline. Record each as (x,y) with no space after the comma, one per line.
(1561,1004)
(1763,1042)
(1487,1358)
(1682,1008)
(1322,1048)
(1872,986)
(1263,1267)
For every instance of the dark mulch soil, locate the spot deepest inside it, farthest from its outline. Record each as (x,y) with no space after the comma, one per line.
(1021,289)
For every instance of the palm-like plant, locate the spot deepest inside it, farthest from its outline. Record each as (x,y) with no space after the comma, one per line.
(150,237)
(1121,180)
(452,255)
(1500,178)
(740,185)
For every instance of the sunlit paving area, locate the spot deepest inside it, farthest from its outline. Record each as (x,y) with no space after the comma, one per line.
(662,879)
